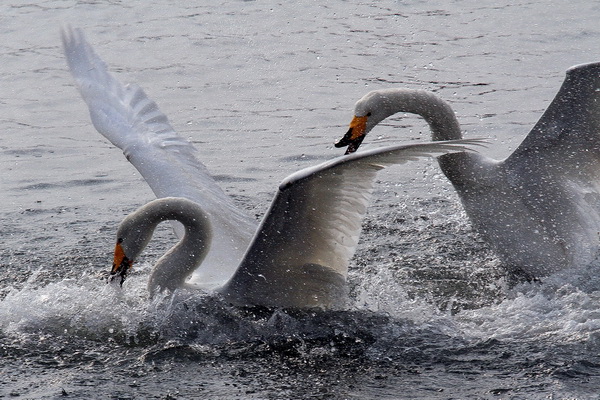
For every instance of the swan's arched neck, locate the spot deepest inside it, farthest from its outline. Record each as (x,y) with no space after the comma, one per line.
(172,269)
(436,112)
(378,105)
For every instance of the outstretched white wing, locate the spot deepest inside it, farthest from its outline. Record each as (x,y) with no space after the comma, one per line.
(168,162)
(556,170)
(572,121)
(300,255)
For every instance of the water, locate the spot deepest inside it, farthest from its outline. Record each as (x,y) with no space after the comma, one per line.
(264,89)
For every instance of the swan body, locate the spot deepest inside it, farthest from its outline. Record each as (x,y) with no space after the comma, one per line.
(299,254)
(540,207)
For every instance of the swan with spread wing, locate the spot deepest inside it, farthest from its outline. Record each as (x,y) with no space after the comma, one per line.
(299,254)
(539,208)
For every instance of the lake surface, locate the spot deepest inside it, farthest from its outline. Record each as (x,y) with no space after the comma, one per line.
(264,89)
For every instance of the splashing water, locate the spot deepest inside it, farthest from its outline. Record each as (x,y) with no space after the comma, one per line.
(410,311)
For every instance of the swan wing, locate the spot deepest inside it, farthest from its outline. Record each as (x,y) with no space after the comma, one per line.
(300,254)
(572,121)
(131,121)
(556,170)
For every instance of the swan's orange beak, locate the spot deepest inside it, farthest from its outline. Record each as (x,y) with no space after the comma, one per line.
(355,135)
(121,263)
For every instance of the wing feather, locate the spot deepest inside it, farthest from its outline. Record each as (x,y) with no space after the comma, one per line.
(134,123)
(571,124)
(315,220)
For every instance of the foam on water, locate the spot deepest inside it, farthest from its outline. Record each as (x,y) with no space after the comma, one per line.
(562,308)
(83,306)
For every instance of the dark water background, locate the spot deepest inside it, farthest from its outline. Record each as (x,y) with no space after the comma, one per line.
(263,89)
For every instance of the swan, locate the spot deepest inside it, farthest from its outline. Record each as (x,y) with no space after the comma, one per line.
(539,208)
(297,257)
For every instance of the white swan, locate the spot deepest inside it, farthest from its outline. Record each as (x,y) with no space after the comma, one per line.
(540,207)
(299,255)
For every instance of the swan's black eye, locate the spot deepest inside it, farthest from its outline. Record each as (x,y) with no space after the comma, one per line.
(120,240)
(368,114)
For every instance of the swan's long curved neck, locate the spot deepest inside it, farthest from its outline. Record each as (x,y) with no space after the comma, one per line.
(172,269)
(438,114)
(460,167)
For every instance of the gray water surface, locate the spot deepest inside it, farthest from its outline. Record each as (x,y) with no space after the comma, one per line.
(264,89)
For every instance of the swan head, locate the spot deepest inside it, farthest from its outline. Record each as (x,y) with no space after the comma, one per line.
(121,263)
(172,269)
(370,110)
(378,105)
(128,247)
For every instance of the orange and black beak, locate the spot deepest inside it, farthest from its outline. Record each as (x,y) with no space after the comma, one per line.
(121,263)
(355,135)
